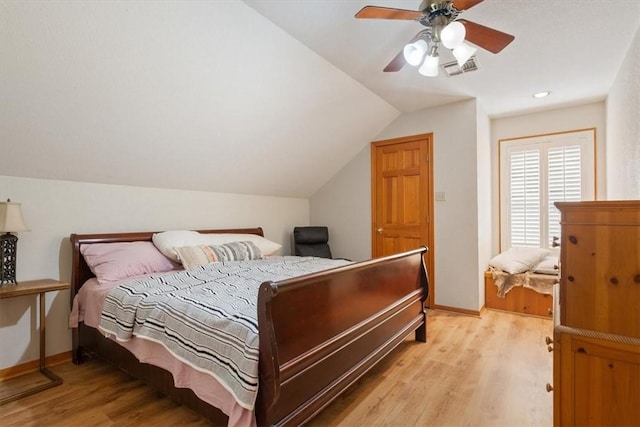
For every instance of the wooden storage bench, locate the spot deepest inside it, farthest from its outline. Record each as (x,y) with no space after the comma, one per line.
(519,299)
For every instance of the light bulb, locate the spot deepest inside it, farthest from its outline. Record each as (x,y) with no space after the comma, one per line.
(542,94)
(429,67)
(414,52)
(463,53)
(453,35)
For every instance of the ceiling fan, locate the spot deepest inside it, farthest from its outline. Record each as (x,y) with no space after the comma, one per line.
(442,27)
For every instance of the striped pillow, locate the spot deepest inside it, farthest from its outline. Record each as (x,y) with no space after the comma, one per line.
(197,256)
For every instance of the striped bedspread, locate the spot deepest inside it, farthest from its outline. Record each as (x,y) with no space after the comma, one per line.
(206,317)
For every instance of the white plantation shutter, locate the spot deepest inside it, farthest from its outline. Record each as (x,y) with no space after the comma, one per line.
(536,173)
(564,183)
(525,198)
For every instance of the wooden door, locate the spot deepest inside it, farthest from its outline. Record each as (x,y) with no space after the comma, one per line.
(402,198)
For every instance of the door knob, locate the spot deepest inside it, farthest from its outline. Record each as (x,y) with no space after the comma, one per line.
(379,230)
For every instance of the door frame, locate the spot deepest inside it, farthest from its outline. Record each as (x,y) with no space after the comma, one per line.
(429,257)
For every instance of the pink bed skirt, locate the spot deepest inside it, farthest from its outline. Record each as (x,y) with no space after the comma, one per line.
(87,306)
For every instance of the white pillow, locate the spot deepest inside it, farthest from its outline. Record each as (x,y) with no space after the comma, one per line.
(167,241)
(549,265)
(518,259)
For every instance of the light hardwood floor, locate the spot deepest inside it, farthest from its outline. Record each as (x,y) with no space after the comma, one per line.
(488,371)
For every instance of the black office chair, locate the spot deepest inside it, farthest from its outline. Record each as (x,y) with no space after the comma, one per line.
(311,241)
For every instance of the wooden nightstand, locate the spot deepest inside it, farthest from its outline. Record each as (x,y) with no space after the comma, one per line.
(33,287)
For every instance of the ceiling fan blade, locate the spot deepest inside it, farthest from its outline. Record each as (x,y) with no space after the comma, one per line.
(375,12)
(398,62)
(465,4)
(487,38)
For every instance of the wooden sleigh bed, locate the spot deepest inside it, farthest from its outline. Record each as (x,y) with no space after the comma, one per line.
(318,333)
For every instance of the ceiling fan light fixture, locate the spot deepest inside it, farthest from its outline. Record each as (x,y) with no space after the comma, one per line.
(414,52)
(453,35)
(429,67)
(463,52)
(440,17)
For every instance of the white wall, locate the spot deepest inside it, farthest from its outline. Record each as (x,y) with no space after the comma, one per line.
(484,198)
(623,128)
(565,119)
(456,219)
(55,209)
(344,205)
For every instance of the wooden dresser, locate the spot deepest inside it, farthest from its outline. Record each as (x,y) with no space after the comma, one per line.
(596,342)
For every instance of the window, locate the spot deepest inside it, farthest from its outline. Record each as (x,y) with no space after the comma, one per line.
(537,171)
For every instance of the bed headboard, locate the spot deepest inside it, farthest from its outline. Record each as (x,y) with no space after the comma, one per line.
(80,271)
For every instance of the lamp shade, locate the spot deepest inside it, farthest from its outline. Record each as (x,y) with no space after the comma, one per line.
(414,52)
(430,66)
(453,35)
(11,220)
(463,52)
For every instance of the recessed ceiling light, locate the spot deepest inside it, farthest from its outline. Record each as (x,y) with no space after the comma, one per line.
(542,94)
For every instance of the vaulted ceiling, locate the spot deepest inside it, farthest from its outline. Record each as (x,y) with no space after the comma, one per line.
(259,97)
(572,48)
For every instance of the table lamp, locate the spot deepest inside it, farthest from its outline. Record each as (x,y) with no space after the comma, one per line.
(10,222)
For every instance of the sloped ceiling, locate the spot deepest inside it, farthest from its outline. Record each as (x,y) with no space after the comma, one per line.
(186,95)
(268,97)
(573,48)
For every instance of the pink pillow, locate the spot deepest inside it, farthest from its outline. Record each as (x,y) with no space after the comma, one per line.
(117,261)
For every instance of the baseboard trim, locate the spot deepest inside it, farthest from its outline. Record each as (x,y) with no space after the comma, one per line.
(517,313)
(34,365)
(467,312)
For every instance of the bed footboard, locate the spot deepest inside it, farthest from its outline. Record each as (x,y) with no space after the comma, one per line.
(321,332)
